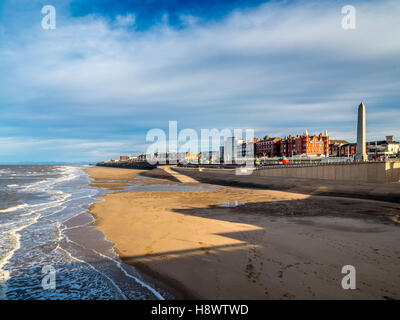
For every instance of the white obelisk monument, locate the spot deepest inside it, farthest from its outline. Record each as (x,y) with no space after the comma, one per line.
(361,152)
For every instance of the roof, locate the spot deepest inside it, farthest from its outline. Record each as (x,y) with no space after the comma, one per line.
(339,141)
(383,142)
(270,139)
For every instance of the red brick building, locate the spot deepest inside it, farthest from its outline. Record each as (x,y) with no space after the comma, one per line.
(348,150)
(342,148)
(267,147)
(305,145)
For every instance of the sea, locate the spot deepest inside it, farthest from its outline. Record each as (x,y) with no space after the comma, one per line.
(49,248)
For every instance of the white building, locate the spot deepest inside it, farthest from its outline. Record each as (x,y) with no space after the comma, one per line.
(144,157)
(232,149)
(383,149)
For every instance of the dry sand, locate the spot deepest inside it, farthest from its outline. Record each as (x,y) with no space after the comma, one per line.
(272,245)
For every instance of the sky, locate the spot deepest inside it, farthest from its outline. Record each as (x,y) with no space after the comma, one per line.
(111,71)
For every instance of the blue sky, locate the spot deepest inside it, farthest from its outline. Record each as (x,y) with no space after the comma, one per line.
(112,70)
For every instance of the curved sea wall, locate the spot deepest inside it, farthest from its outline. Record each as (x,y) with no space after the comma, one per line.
(142,165)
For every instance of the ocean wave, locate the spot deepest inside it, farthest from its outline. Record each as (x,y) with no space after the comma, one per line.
(15,208)
(15,221)
(5,274)
(29,227)
(47,184)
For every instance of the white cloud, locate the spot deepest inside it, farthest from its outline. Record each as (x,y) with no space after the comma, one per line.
(275,68)
(127,20)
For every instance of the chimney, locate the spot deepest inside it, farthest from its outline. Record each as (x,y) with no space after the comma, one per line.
(389,138)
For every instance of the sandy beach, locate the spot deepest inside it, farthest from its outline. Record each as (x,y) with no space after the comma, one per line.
(241,243)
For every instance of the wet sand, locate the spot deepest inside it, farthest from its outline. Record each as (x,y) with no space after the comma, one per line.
(260,244)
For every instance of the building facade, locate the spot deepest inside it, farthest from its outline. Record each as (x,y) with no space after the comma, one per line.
(267,147)
(232,149)
(342,148)
(305,144)
(381,150)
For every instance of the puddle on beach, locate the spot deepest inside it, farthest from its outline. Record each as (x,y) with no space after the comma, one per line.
(230,204)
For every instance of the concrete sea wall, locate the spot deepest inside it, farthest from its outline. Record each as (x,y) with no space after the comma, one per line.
(345,182)
(143,165)
(365,171)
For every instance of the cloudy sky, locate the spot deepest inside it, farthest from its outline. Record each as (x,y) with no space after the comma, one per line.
(112,70)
